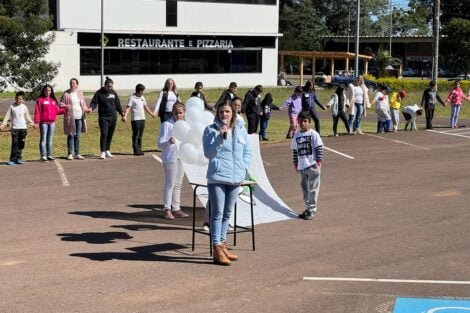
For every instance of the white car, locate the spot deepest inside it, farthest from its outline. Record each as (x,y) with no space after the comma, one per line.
(407,71)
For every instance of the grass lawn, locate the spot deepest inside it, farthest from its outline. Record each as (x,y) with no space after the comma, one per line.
(278,125)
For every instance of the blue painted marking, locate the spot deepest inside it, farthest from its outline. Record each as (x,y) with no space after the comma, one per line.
(415,305)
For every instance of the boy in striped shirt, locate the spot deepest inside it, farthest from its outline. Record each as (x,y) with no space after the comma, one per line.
(307,150)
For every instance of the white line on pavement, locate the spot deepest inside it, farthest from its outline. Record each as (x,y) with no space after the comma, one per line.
(443,133)
(401,142)
(157,158)
(61,171)
(340,153)
(378,280)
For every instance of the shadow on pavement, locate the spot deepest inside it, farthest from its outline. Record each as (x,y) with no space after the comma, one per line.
(147,253)
(96,238)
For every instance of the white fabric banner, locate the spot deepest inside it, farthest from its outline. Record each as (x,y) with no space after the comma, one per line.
(267,206)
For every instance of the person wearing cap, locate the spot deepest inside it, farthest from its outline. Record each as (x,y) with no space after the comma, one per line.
(428,102)
(395,104)
(252,108)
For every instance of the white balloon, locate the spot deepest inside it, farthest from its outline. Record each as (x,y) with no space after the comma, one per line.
(181,129)
(207,118)
(193,115)
(188,153)
(195,102)
(196,133)
(201,159)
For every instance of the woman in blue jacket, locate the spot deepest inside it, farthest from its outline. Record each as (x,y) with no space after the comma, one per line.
(225,144)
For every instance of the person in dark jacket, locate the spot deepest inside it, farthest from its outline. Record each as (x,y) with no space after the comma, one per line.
(252,108)
(198,93)
(265,114)
(108,104)
(428,102)
(309,99)
(227,95)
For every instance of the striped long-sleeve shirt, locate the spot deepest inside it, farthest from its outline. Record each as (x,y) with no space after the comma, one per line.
(307,149)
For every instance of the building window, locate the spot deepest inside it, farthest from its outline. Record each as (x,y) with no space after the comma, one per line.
(141,62)
(171,13)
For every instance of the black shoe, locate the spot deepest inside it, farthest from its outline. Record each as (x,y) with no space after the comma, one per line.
(265,139)
(307,215)
(138,153)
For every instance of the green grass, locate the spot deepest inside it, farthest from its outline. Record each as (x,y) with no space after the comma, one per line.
(277,128)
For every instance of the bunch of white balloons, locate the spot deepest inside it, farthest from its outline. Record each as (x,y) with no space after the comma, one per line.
(190,131)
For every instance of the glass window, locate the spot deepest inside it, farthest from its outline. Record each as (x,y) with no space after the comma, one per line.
(139,62)
(171,13)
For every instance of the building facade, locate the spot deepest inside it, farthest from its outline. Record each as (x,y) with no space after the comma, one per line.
(147,41)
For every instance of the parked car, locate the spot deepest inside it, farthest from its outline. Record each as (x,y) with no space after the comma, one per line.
(461,77)
(407,71)
(344,81)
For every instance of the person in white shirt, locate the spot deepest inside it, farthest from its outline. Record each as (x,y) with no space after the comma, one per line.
(19,115)
(409,113)
(174,172)
(167,98)
(137,106)
(382,108)
(358,99)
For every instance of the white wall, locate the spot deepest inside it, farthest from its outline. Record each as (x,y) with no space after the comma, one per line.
(149,16)
(66,51)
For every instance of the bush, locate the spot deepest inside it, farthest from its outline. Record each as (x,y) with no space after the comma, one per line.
(418,84)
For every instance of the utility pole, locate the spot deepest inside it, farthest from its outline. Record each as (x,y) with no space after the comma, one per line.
(102,43)
(349,23)
(435,63)
(358,19)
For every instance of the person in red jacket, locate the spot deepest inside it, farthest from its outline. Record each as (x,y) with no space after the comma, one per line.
(45,115)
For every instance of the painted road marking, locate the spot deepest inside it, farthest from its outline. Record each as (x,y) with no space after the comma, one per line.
(447,133)
(411,305)
(379,280)
(157,158)
(61,171)
(401,142)
(340,153)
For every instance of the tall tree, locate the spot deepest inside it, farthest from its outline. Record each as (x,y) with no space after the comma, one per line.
(456,43)
(24,41)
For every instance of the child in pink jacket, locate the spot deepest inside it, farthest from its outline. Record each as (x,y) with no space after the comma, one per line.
(455,98)
(45,115)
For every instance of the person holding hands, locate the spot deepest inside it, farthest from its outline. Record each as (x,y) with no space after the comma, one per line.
(19,115)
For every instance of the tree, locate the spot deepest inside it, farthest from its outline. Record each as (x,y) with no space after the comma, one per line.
(24,41)
(456,43)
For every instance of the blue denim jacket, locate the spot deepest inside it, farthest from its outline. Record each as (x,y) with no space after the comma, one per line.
(228,159)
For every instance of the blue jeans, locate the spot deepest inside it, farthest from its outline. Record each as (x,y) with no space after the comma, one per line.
(222,199)
(73,141)
(359,111)
(454,114)
(263,127)
(45,142)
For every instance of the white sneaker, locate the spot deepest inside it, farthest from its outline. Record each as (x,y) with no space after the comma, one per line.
(205,227)
(103,155)
(108,154)
(70,157)
(79,157)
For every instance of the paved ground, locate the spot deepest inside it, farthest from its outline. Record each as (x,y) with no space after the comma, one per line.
(398,210)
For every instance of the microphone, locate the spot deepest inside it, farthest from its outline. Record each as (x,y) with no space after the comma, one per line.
(224,123)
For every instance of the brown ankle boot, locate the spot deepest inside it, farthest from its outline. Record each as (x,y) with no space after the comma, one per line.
(228,254)
(219,255)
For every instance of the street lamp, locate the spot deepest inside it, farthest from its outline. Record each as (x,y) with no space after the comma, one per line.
(102,42)
(358,19)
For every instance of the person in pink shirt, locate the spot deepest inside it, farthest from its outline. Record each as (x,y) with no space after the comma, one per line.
(45,115)
(294,105)
(455,98)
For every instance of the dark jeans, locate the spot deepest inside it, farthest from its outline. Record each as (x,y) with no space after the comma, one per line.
(263,126)
(18,138)
(315,119)
(341,115)
(137,132)
(253,121)
(73,141)
(429,116)
(107,126)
